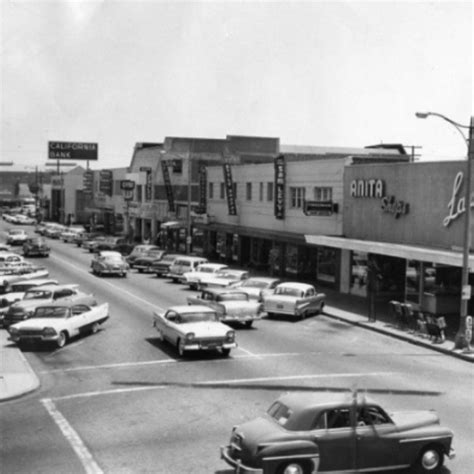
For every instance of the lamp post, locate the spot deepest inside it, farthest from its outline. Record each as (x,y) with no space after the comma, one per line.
(464,334)
(187,158)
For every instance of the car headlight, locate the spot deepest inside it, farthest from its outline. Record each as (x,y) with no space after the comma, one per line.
(49,332)
(230,336)
(190,336)
(12,330)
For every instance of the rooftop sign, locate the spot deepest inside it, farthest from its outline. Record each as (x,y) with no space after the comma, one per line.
(72,151)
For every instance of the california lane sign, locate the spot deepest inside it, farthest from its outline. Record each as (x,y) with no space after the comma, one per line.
(73,151)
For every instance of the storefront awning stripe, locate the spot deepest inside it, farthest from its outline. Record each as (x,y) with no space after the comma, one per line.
(409,252)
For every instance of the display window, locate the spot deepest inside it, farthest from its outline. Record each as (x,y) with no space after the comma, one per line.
(327,265)
(359,273)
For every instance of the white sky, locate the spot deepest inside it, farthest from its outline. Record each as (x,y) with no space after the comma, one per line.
(333,73)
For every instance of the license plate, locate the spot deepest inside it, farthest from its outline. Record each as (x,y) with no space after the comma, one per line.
(279,306)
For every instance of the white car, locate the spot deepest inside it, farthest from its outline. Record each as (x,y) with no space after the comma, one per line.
(16,237)
(194,328)
(192,279)
(223,278)
(257,287)
(71,233)
(11,260)
(294,299)
(58,322)
(17,290)
(23,220)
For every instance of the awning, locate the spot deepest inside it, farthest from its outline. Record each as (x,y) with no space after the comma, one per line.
(409,252)
(172,225)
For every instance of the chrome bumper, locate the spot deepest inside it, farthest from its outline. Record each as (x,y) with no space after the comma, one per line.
(237,464)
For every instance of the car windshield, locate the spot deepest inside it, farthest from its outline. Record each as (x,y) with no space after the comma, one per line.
(196,317)
(280,413)
(254,284)
(52,312)
(288,291)
(229,276)
(154,253)
(38,294)
(233,297)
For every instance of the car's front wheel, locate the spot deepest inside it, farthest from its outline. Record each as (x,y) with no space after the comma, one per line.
(295,467)
(430,461)
(62,339)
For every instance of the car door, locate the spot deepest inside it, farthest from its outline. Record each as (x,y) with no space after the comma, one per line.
(166,325)
(79,319)
(376,445)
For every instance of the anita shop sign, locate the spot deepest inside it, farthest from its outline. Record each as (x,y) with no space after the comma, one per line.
(457,205)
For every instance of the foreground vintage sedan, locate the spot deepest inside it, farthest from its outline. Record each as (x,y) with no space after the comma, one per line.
(232,306)
(58,322)
(194,328)
(303,433)
(109,262)
(297,300)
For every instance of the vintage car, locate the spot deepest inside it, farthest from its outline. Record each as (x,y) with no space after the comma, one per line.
(302,433)
(36,246)
(21,219)
(109,262)
(223,278)
(184,264)
(139,251)
(47,294)
(60,321)
(16,237)
(162,267)
(110,243)
(232,306)
(257,287)
(145,262)
(23,271)
(298,300)
(192,279)
(88,237)
(89,243)
(54,230)
(5,248)
(69,235)
(194,328)
(11,260)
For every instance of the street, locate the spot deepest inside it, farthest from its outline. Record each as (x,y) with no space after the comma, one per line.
(122,401)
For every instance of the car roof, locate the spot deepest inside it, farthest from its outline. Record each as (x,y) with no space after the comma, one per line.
(52,287)
(36,282)
(294,284)
(303,401)
(109,253)
(192,308)
(263,279)
(146,247)
(233,271)
(63,303)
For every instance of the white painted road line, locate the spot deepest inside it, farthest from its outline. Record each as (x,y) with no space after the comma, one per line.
(105,282)
(90,466)
(114,391)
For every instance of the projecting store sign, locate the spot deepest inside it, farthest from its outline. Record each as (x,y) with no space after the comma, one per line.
(73,151)
(106,181)
(280,178)
(127,186)
(319,208)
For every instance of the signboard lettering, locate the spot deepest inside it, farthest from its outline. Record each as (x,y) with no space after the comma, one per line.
(149,182)
(457,205)
(202,209)
(168,187)
(367,188)
(105,182)
(73,151)
(88,181)
(392,206)
(280,179)
(319,208)
(229,190)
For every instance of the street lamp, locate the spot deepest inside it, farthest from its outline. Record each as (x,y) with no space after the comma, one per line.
(188,195)
(464,334)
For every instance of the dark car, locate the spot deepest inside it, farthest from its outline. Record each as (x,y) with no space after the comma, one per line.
(336,432)
(162,266)
(139,251)
(146,262)
(109,243)
(36,246)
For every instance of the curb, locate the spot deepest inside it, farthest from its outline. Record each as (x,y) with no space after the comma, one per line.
(401,337)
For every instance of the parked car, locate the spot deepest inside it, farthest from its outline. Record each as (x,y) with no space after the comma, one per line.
(110,243)
(192,279)
(60,321)
(184,264)
(194,328)
(71,232)
(335,432)
(91,243)
(36,246)
(34,297)
(11,260)
(109,262)
(41,227)
(298,300)
(54,230)
(139,251)
(257,287)
(82,237)
(25,271)
(5,248)
(162,267)
(22,219)
(231,306)
(145,262)
(223,278)
(16,237)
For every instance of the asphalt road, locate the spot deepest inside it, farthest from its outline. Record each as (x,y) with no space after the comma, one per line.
(121,401)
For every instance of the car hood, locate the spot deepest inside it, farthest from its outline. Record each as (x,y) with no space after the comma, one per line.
(206,329)
(10,297)
(38,323)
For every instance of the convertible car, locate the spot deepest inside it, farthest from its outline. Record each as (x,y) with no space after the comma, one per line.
(303,433)
(194,328)
(60,321)
(297,300)
(232,306)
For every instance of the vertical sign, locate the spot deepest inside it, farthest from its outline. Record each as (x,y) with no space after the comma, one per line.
(88,182)
(105,182)
(148,182)
(280,187)
(168,187)
(229,190)
(202,189)
(127,186)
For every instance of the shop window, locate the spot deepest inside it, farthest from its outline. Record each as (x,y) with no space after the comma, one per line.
(297,197)
(359,273)
(326,271)
(322,194)
(222,188)
(248,191)
(270,191)
(177,166)
(291,259)
(235,247)
(197,241)
(260,192)
(211,190)
(413,281)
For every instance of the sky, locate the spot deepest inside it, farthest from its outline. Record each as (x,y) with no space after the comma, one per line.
(319,73)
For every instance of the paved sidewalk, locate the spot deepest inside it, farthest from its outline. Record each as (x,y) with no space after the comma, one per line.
(17,378)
